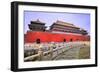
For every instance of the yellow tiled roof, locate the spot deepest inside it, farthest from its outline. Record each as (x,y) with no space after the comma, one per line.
(65,24)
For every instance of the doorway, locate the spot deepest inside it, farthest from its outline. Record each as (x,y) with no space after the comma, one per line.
(71,40)
(64,40)
(38,41)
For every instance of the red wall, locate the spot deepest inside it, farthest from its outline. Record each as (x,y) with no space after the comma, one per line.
(31,37)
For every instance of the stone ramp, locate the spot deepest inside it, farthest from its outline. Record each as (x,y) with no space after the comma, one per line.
(75,53)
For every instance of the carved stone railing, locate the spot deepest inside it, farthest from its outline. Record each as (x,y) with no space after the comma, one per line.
(53,53)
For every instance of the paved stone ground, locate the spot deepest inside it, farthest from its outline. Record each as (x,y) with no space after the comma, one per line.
(69,54)
(82,52)
(75,53)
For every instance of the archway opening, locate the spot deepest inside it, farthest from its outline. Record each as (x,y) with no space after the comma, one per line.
(64,40)
(38,41)
(71,40)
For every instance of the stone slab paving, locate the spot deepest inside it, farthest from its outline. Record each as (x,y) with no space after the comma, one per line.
(69,54)
(75,53)
(81,52)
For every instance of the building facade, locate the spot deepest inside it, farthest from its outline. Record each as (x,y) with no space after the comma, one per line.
(60,26)
(59,32)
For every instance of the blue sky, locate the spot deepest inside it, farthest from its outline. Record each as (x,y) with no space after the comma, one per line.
(78,19)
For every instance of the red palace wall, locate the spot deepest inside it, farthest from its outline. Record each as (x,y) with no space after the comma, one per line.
(31,37)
